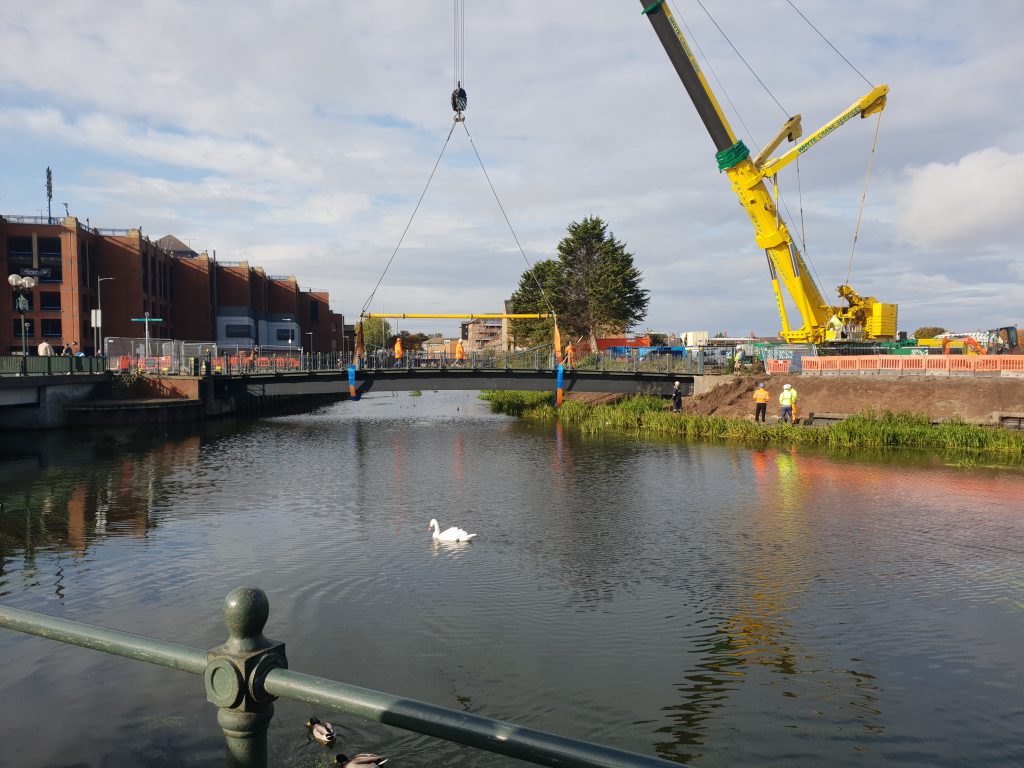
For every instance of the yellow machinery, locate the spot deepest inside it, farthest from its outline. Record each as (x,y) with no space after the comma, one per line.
(862,318)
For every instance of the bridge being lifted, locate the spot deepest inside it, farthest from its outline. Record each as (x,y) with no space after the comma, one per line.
(364,380)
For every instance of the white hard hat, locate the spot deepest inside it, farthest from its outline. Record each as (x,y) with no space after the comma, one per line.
(785,386)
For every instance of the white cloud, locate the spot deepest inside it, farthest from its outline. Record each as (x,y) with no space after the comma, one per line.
(971,203)
(302,134)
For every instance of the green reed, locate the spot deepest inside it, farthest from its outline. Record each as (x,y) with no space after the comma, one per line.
(645,414)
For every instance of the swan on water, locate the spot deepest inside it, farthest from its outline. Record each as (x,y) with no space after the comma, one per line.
(450,534)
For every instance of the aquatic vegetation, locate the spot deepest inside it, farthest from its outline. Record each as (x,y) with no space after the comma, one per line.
(645,414)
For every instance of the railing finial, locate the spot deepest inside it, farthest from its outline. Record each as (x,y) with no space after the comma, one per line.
(234,677)
(246,610)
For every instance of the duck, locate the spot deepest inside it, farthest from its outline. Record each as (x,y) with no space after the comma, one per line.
(361,760)
(322,732)
(449,534)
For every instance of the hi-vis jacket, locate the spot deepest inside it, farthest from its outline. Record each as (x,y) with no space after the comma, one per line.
(787,397)
(761,395)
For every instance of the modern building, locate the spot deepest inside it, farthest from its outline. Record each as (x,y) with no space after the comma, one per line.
(164,284)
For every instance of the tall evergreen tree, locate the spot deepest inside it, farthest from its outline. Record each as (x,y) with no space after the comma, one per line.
(593,286)
(528,297)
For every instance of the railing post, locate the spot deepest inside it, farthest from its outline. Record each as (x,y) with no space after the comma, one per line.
(234,677)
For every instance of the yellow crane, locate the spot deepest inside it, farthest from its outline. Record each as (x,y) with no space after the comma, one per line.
(863,317)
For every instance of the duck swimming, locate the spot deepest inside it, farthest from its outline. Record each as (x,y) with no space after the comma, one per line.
(322,732)
(359,761)
(450,534)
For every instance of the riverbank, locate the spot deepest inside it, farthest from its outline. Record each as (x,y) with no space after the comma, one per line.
(866,430)
(973,399)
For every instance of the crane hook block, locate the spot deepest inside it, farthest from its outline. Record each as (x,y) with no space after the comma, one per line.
(459,99)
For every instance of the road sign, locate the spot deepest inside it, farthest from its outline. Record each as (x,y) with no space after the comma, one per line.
(97,318)
(147,320)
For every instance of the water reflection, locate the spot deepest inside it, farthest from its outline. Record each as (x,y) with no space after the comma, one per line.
(711,604)
(79,493)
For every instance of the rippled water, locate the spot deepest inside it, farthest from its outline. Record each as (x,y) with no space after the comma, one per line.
(708,604)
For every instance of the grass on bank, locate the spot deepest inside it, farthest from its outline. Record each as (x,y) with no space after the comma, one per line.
(645,414)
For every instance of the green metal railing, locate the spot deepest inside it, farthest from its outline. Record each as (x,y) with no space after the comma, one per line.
(248,672)
(33,365)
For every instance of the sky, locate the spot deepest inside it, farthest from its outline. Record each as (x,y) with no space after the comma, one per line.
(299,136)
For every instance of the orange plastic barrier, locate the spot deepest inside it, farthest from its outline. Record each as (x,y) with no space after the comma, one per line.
(777,366)
(909,363)
(124,363)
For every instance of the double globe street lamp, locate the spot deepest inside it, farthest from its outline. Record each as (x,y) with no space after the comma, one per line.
(22,284)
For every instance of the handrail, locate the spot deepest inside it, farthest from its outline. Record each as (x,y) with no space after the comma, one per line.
(245,674)
(138,647)
(538,747)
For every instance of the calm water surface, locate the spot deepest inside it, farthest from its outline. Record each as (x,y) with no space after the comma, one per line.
(712,605)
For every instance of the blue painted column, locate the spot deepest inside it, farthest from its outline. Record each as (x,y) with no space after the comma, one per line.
(559,386)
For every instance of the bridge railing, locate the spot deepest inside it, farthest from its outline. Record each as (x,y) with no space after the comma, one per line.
(168,358)
(35,365)
(245,674)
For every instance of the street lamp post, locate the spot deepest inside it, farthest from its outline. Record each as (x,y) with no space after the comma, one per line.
(22,284)
(99,309)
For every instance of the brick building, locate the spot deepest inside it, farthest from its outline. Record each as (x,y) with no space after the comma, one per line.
(189,295)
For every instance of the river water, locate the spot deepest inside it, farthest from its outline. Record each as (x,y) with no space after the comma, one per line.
(708,604)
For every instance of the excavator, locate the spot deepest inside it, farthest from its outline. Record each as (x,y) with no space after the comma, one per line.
(861,318)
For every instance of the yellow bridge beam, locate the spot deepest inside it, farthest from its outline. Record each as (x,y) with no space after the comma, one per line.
(480,316)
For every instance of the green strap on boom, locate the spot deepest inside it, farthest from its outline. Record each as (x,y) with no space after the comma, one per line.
(727,158)
(651,7)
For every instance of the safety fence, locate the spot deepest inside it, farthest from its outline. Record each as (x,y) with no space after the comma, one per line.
(927,364)
(248,672)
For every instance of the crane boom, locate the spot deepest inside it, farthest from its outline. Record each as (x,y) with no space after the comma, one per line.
(864,317)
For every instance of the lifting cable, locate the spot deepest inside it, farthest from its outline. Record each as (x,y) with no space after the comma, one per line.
(860,213)
(736,51)
(459,99)
(800,13)
(510,229)
(387,266)
(459,103)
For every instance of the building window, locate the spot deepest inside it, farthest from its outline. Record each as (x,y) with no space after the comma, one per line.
(19,254)
(30,328)
(49,300)
(50,328)
(283,334)
(238,331)
(50,258)
(314,311)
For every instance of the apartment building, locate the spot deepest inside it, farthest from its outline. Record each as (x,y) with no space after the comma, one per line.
(183,294)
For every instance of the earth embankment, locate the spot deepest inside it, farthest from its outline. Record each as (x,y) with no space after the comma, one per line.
(974,399)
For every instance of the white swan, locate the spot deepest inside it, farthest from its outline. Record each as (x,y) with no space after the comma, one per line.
(450,534)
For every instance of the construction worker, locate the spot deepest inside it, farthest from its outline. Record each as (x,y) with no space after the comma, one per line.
(460,353)
(787,399)
(398,352)
(570,355)
(761,398)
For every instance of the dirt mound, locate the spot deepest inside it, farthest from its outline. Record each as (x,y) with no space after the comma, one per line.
(972,399)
